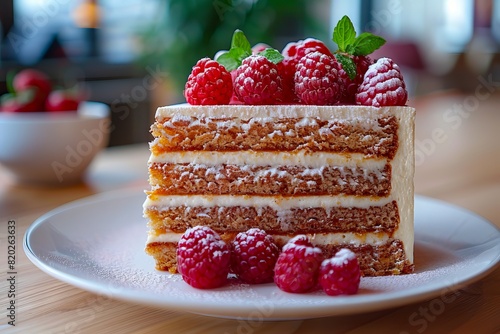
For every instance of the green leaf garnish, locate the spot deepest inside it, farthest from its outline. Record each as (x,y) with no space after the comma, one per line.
(240,41)
(366,43)
(349,45)
(10,81)
(228,61)
(347,64)
(240,49)
(272,55)
(344,33)
(350,49)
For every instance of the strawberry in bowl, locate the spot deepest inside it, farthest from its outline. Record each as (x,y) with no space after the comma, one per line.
(31,91)
(62,100)
(49,137)
(28,91)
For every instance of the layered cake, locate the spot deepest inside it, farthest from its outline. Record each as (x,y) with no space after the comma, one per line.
(343,175)
(298,142)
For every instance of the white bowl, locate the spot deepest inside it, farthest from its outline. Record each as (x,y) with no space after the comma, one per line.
(53,148)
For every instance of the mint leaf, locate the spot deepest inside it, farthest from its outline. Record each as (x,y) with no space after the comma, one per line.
(232,59)
(344,33)
(10,81)
(348,65)
(228,61)
(240,49)
(366,43)
(240,41)
(273,55)
(350,49)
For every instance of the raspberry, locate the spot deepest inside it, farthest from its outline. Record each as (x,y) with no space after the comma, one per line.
(234,98)
(297,267)
(288,84)
(209,83)
(203,258)
(258,82)
(316,79)
(382,85)
(254,254)
(348,87)
(293,52)
(340,275)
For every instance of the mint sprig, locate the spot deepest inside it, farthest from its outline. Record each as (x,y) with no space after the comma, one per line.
(348,64)
(366,43)
(241,49)
(344,35)
(232,59)
(10,81)
(273,55)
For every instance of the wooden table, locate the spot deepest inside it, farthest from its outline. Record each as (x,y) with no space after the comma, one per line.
(458,160)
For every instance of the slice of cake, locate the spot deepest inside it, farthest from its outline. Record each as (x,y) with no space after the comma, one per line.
(343,175)
(298,142)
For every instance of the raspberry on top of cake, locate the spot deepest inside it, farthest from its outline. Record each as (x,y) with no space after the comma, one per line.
(300,142)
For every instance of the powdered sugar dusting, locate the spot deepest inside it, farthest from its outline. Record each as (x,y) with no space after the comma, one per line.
(341,257)
(302,241)
(383,85)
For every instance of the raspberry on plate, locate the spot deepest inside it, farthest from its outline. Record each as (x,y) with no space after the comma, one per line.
(316,79)
(203,258)
(208,84)
(258,82)
(297,268)
(340,275)
(383,85)
(254,254)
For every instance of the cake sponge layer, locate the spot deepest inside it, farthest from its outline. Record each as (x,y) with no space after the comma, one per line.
(196,178)
(285,128)
(285,219)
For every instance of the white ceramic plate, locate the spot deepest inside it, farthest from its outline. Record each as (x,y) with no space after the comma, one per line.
(97,244)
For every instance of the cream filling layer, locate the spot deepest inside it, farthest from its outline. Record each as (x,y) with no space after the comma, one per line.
(316,238)
(273,159)
(278,203)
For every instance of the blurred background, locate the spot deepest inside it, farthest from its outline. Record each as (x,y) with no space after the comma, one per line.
(135,55)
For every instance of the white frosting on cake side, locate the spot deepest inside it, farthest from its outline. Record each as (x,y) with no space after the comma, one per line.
(403,170)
